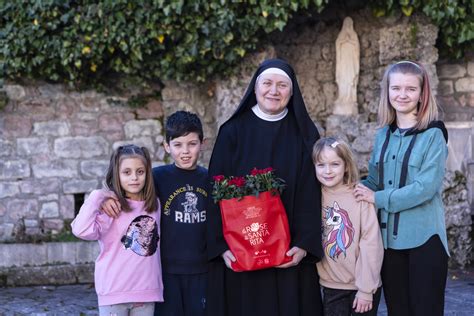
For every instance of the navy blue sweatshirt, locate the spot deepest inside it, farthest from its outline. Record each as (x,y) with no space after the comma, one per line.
(182,195)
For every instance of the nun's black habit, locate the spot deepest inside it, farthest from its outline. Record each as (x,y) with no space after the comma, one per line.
(244,142)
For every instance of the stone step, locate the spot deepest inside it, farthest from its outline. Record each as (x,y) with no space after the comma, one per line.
(55,274)
(18,255)
(53,263)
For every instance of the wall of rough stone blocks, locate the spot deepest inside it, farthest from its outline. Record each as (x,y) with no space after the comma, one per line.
(456,88)
(196,98)
(456,97)
(56,144)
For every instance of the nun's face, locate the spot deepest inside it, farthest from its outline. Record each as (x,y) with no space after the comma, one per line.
(273,93)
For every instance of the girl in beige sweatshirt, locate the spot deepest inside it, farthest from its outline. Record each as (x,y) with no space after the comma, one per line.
(350,270)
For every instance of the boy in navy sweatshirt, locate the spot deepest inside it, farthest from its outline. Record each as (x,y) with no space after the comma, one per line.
(182,188)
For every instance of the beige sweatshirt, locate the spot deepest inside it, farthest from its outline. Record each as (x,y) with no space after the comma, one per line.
(352,244)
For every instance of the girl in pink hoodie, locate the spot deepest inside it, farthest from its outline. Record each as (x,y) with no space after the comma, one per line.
(128,269)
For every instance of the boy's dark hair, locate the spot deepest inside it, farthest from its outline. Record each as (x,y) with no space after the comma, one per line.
(181,123)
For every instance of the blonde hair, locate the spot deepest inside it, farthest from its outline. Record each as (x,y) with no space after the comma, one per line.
(112,179)
(342,149)
(427,110)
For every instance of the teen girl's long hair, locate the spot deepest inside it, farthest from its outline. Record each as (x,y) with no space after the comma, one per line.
(112,179)
(427,109)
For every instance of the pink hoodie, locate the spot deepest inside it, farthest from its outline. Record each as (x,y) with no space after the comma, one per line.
(128,268)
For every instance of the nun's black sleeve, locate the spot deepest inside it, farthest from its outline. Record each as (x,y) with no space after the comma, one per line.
(220,164)
(307,211)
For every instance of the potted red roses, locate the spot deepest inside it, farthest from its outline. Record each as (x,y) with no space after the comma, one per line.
(259,180)
(254,221)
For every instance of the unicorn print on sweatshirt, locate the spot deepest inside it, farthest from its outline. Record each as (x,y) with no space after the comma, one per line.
(338,231)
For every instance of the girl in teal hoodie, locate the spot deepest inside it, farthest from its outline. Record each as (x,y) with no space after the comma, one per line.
(405,179)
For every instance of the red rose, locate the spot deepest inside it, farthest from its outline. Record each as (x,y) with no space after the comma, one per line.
(240,181)
(268,170)
(237,181)
(218,178)
(254,172)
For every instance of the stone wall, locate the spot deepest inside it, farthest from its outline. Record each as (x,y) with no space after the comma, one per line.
(456,97)
(195,98)
(55,145)
(456,88)
(458,218)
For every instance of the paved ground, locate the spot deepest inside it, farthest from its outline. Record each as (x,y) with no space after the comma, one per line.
(81,299)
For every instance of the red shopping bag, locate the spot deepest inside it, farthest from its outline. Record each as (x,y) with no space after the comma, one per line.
(256,231)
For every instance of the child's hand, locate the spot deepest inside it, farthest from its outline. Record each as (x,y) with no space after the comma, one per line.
(361,305)
(228,257)
(297,253)
(111,207)
(363,193)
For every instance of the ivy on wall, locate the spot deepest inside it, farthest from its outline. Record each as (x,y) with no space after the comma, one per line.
(454,18)
(76,41)
(84,41)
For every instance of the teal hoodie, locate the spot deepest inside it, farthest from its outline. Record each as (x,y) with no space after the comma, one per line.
(418,201)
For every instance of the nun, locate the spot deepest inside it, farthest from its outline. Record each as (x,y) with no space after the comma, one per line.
(270,128)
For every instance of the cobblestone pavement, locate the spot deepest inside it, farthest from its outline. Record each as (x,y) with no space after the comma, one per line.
(81,299)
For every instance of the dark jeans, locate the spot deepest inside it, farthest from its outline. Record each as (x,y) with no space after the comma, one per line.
(339,302)
(414,279)
(184,294)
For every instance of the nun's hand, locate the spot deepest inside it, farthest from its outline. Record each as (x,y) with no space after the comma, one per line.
(297,253)
(228,257)
(363,193)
